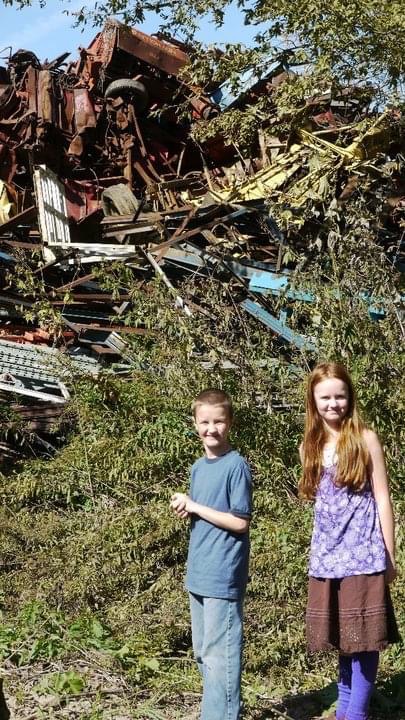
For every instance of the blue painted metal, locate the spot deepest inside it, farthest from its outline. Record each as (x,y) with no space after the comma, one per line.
(7,258)
(226,95)
(278,326)
(375,310)
(244,272)
(265,282)
(282,317)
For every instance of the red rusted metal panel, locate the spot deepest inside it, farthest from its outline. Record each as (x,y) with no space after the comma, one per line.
(67,110)
(158,53)
(31,88)
(83,110)
(46,95)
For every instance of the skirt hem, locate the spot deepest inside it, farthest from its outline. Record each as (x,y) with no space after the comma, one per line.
(350,615)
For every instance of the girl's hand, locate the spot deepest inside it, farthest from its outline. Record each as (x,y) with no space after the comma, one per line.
(391,572)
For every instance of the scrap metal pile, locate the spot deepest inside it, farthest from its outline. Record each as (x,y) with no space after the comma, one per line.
(98,163)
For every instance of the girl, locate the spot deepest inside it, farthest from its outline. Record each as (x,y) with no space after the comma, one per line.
(352,558)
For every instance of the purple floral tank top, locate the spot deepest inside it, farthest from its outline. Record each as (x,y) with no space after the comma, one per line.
(347,538)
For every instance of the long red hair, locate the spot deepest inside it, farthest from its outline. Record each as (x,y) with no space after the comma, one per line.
(351,450)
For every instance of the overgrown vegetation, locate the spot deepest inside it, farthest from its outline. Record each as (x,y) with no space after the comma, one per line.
(92,560)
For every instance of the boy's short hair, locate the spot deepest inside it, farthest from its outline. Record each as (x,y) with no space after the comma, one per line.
(213,396)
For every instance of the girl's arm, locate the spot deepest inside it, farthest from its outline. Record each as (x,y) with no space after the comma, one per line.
(301,452)
(379,484)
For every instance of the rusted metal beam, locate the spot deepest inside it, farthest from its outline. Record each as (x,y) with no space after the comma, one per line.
(20,244)
(75,283)
(197,231)
(79,297)
(23,218)
(122,329)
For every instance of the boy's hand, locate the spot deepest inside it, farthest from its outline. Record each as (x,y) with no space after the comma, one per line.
(180,503)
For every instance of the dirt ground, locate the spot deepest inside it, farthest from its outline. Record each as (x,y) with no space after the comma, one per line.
(108,697)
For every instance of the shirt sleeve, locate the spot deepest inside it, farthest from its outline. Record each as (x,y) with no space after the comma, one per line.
(240,490)
(193,473)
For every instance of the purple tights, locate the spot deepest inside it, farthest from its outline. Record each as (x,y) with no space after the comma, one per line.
(357,674)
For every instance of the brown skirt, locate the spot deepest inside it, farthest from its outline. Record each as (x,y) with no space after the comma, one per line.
(354,614)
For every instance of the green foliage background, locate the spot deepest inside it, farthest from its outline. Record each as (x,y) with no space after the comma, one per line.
(87,538)
(91,559)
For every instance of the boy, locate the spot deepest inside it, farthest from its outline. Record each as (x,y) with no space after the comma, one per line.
(219,506)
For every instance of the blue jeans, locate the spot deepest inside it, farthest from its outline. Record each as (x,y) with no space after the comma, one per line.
(217,629)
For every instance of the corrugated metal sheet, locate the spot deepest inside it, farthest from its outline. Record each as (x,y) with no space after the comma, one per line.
(39,371)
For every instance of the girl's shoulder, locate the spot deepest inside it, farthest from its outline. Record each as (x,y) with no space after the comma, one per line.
(370,439)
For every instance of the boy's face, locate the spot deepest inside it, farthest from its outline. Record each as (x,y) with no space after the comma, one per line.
(213,423)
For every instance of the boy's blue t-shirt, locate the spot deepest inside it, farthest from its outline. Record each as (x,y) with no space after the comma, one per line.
(218,559)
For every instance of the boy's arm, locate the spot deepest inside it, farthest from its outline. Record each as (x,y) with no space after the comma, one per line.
(183,506)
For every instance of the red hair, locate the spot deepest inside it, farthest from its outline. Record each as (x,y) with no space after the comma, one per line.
(351,450)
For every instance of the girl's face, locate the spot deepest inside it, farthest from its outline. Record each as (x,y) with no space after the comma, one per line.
(331,398)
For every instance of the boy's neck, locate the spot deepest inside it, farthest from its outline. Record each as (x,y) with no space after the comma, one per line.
(212,454)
